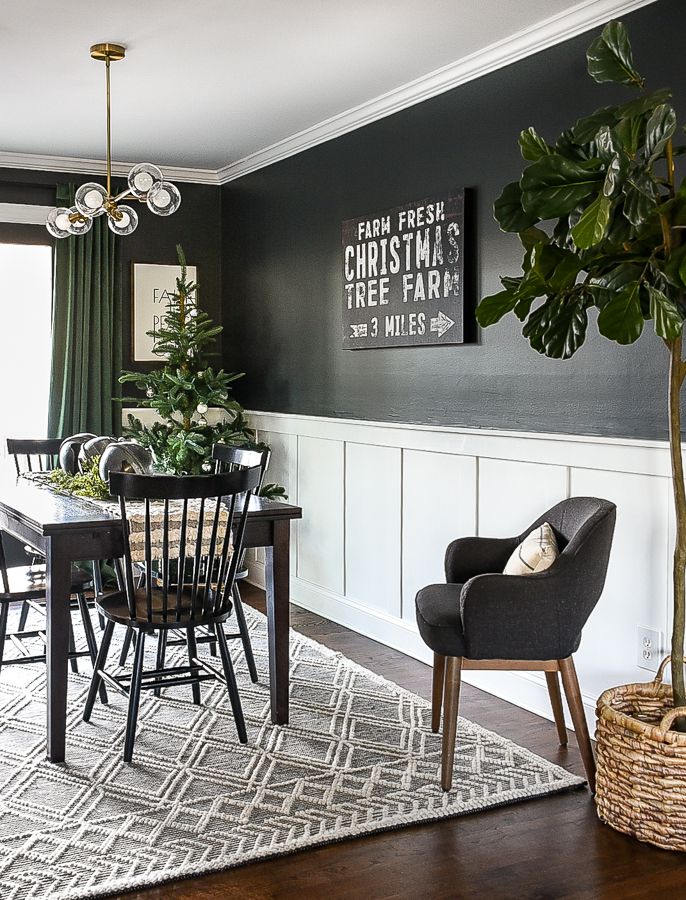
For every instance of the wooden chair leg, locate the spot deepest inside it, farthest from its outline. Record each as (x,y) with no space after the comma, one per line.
(134,697)
(232,686)
(437,692)
(4,610)
(450,708)
(161,654)
(73,663)
(192,655)
(23,615)
(125,647)
(576,709)
(245,634)
(90,639)
(556,702)
(99,664)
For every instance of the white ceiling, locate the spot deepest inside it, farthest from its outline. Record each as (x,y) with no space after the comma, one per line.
(209,82)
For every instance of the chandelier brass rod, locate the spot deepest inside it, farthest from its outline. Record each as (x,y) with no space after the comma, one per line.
(109,130)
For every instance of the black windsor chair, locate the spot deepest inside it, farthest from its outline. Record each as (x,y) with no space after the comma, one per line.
(167,601)
(27,584)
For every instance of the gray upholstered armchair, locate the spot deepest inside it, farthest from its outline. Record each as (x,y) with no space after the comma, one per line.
(482,619)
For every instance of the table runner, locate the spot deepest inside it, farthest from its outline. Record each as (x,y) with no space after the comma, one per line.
(135,514)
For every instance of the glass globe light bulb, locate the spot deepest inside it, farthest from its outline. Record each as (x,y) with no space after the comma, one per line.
(58,223)
(80,225)
(90,199)
(126,223)
(164,199)
(143,178)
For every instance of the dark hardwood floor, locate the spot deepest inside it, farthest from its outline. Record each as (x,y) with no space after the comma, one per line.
(542,849)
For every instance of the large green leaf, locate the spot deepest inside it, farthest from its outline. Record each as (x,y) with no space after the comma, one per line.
(659,129)
(532,145)
(558,328)
(639,196)
(616,170)
(618,277)
(508,210)
(642,105)
(621,318)
(493,308)
(532,236)
(629,133)
(566,272)
(533,284)
(554,186)
(606,143)
(584,130)
(592,226)
(665,314)
(557,267)
(610,57)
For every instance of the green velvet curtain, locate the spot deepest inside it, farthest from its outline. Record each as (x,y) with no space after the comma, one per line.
(86,330)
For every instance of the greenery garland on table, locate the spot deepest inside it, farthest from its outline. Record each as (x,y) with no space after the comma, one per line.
(184,389)
(86,483)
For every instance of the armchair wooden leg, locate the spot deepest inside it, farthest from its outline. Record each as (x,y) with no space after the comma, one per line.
(450,709)
(556,702)
(437,692)
(576,709)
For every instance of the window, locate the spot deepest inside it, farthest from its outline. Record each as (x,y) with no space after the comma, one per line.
(25,339)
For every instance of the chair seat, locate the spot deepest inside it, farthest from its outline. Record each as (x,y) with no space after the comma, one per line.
(30,582)
(439,619)
(115,607)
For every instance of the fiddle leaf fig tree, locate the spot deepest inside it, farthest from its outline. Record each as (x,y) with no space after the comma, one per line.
(601,218)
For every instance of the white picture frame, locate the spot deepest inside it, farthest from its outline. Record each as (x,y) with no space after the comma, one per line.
(151,286)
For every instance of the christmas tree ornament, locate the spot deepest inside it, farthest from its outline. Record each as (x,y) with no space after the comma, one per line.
(207,466)
(201,408)
(150,391)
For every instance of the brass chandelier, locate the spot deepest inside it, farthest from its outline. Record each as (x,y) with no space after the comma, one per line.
(145,183)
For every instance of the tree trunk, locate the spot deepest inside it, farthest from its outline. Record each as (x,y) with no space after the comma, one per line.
(676,378)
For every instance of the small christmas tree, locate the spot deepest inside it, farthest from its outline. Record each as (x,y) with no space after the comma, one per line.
(184,389)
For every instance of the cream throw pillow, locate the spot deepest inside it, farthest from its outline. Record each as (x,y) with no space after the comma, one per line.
(536,553)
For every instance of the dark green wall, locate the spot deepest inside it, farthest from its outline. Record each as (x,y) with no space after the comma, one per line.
(281,255)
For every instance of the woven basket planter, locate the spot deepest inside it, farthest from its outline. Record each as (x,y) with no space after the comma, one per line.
(641,779)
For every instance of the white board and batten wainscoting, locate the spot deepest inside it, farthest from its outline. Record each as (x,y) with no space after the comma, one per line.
(381,501)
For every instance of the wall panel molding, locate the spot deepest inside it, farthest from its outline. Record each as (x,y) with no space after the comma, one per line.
(431,484)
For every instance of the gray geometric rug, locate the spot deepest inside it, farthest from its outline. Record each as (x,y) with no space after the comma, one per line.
(358,757)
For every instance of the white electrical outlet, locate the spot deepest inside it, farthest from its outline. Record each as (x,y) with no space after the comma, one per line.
(649,648)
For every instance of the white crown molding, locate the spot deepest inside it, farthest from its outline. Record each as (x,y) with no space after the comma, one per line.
(79,166)
(554,30)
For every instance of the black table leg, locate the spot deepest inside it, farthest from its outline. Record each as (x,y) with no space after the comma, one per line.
(58,618)
(278,618)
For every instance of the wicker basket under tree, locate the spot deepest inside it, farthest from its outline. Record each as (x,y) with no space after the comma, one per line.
(615,240)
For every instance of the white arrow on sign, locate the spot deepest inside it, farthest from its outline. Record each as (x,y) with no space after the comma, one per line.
(441,324)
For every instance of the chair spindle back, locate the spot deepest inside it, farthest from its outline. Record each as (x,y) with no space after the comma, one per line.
(34,455)
(216,506)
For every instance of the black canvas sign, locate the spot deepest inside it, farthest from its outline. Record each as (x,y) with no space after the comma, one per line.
(403,275)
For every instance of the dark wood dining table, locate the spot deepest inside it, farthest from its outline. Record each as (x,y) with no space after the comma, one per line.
(66,528)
